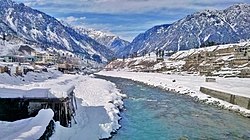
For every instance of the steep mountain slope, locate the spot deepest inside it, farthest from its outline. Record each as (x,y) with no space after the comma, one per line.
(141,42)
(226,26)
(45,31)
(112,42)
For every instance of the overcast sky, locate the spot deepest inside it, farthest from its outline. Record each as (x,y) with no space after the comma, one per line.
(125,18)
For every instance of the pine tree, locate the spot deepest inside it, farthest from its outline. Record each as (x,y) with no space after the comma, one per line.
(4,37)
(162,53)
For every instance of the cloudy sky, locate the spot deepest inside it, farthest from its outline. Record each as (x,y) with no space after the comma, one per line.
(126,18)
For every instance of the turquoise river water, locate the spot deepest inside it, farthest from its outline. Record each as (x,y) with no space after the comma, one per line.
(154,114)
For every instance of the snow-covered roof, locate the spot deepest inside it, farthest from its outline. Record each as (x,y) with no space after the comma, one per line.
(7,64)
(59,91)
(62,90)
(29,67)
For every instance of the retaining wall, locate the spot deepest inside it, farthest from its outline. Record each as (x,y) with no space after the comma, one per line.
(234,99)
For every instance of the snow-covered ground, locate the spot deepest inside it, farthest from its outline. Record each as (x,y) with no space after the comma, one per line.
(98,104)
(190,85)
(98,109)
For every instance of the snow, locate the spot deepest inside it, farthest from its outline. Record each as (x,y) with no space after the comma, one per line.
(225,58)
(206,37)
(182,54)
(66,44)
(146,63)
(59,89)
(26,129)
(10,19)
(169,64)
(6,48)
(52,35)
(190,85)
(185,53)
(24,28)
(53,92)
(98,102)
(227,72)
(97,115)
(35,33)
(30,77)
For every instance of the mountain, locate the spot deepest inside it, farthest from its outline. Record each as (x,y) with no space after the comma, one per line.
(139,44)
(35,27)
(112,42)
(199,29)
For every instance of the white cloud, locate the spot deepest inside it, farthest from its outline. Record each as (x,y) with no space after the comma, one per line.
(72,19)
(32,3)
(128,6)
(124,32)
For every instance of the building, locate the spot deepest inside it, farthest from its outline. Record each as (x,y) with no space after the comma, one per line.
(27,50)
(242,51)
(19,104)
(39,57)
(242,55)
(51,58)
(65,68)
(45,57)
(3,68)
(8,58)
(17,58)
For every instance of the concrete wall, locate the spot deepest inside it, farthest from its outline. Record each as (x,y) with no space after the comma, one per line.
(234,99)
(242,101)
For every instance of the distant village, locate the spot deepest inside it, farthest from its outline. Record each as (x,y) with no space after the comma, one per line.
(28,59)
(37,61)
(229,60)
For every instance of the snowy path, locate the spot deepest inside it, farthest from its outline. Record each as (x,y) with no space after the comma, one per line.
(190,85)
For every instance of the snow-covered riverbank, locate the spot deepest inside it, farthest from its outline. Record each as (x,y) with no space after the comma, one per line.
(97,116)
(190,85)
(98,104)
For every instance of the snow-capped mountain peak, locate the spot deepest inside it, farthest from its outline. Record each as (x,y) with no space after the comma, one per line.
(107,39)
(199,29)
(35,27)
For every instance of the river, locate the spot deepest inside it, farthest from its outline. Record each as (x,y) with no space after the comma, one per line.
(154,114)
